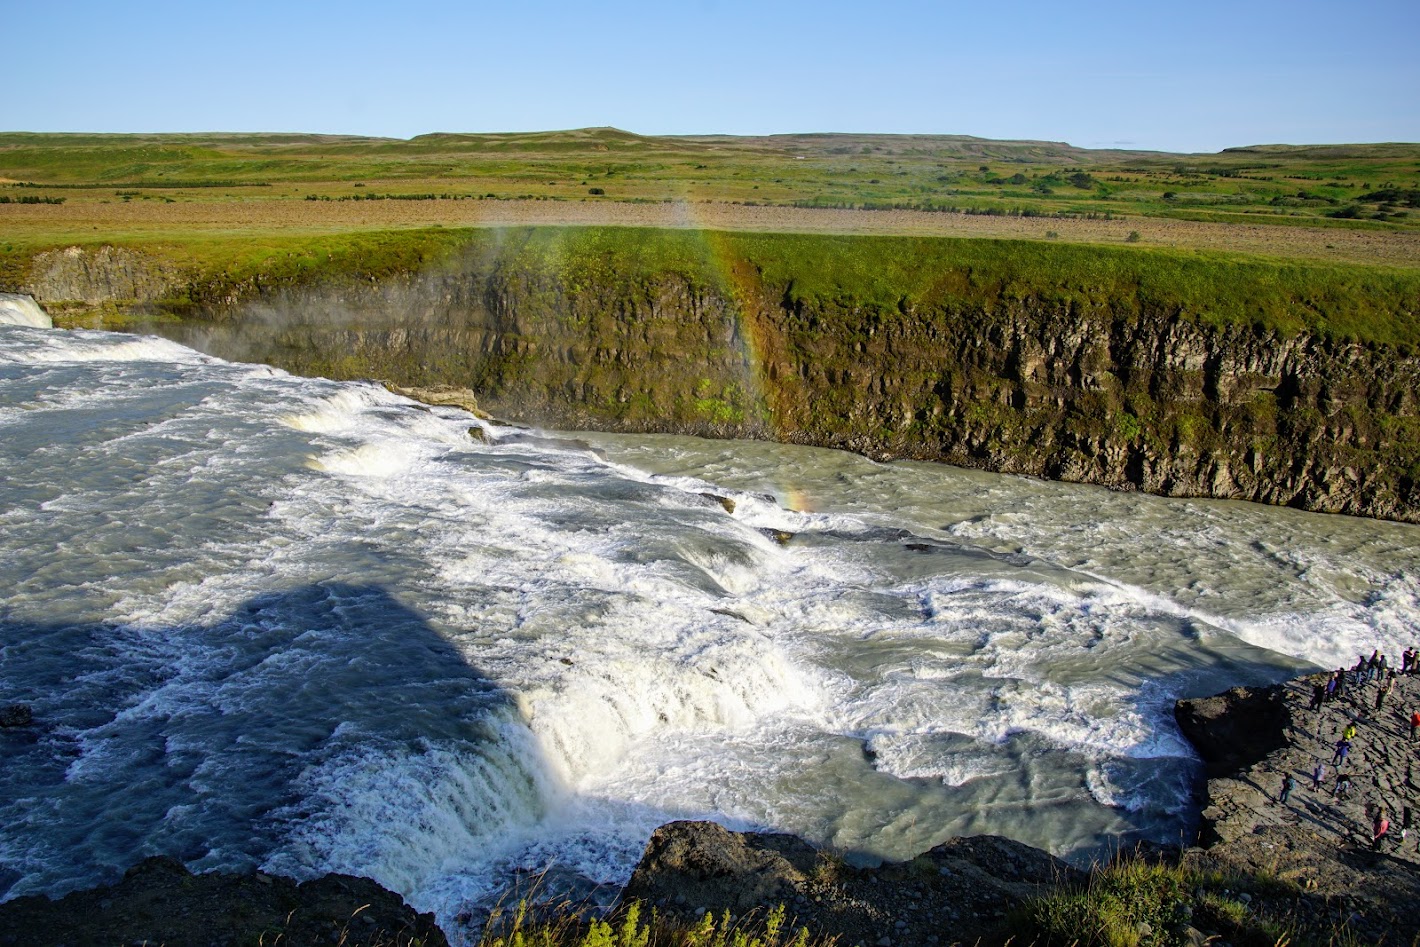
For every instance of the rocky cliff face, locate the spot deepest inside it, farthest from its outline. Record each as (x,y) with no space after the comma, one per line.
(1119,393)
(97,275)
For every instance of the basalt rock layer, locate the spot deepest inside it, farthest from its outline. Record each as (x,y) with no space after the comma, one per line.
(1114,386)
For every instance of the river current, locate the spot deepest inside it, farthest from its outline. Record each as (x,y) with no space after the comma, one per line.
(308,626)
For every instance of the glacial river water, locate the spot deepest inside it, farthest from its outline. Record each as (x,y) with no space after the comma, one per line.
(269,621)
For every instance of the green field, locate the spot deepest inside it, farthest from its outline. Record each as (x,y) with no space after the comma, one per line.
(1374,187)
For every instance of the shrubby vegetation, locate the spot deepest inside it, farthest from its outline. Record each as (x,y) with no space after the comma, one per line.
(631,929)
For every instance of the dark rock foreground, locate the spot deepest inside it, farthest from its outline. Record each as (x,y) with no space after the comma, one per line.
(958,891)
(161,902)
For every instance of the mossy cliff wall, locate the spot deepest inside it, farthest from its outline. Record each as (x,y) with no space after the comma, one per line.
(1188,377)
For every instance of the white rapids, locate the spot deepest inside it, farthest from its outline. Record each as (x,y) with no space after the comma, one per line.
(17,309)
(312,626)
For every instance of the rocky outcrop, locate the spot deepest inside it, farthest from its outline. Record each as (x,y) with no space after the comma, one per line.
(1317,842)
(957,892)
(1235,729)
(97,275)
(442,396)
(1120,391)
(161,902)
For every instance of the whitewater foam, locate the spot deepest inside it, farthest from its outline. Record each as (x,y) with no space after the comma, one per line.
(20,310)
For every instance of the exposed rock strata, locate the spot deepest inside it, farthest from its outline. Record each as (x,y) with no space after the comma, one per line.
(161,902)
(97,275)
(1120,392)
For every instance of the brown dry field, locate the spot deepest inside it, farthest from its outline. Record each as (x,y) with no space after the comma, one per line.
(147,220)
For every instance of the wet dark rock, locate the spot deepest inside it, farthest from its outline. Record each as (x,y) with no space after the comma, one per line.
(160,901)
(16,715)
(1234,729)
(780,536)
(725,502)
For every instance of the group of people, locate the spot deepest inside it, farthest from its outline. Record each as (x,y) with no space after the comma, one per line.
(1374,669)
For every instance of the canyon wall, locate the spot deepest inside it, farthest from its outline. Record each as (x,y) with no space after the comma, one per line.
(1108,388)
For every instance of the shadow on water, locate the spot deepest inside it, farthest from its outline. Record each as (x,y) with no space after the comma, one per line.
(330,726)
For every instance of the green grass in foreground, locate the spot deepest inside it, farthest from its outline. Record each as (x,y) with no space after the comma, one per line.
(1136,902)
(632,930)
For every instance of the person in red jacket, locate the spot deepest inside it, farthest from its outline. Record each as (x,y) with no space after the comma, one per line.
(1379,828)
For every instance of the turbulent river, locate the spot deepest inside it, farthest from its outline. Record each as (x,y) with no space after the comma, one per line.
(309,626)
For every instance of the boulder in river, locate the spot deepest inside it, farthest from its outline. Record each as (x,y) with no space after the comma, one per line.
(16,715)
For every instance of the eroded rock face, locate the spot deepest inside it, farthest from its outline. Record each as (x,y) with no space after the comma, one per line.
(958,891)
(96,275)
(159,901)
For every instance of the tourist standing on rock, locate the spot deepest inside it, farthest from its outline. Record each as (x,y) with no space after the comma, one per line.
(1414,724)
(1340,682)
(1318,774)
(1379,828)
(1385,690)
(1318,696)
(1405,657)
(1288,784)
(1343,786)
(1343,750)
(1349,733)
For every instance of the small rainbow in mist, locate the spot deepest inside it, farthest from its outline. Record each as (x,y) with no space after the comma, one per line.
(734,274)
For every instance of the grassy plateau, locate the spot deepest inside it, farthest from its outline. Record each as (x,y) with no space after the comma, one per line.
(1344,203)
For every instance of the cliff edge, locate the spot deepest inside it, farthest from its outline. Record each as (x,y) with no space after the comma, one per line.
(1269,382)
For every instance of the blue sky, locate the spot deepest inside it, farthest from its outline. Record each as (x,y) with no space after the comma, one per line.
(1179,77)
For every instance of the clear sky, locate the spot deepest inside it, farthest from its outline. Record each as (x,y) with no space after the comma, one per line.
(1191,76)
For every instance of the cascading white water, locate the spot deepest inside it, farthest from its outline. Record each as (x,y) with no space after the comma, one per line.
(17,309)
(312,626)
